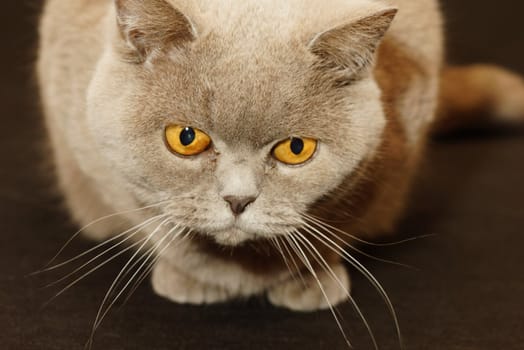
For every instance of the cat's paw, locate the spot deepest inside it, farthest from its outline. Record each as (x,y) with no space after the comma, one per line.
(171,284)
(306,295)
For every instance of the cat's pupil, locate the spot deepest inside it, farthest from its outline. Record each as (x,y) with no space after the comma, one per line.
(297,146)
(187,136)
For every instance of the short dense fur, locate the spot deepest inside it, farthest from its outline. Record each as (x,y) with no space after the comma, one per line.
(356,75)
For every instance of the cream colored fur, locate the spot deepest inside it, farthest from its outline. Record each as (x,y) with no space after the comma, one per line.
(105,117)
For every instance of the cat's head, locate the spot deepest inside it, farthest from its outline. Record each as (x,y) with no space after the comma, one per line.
(242,114)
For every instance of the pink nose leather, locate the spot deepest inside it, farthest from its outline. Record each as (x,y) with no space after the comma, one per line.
(239,204)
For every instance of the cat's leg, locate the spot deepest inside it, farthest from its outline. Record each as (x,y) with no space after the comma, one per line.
(172,284)
(310,294)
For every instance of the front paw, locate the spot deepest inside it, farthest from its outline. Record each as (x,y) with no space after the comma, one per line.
(307,295)
(172,284)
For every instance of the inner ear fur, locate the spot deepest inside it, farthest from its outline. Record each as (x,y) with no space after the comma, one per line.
(147,26)
(351,47)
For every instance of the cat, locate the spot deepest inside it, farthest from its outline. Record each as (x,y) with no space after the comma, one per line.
(248,143)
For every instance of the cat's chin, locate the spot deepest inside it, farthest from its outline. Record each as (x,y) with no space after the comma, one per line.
(232,237)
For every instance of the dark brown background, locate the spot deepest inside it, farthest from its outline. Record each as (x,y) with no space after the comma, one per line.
(468,294)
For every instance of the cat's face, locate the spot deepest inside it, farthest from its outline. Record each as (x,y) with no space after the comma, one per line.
(247,98)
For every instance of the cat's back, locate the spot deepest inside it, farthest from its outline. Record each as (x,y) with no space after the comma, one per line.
(65,19)
(71,42)
(418,26)
(71,34)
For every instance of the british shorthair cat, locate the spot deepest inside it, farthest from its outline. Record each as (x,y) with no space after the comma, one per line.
(242,147)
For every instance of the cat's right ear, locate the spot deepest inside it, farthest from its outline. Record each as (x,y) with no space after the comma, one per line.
(350,48)
(151,26)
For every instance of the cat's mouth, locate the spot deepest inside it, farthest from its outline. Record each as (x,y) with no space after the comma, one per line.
(238,231)
(233,236)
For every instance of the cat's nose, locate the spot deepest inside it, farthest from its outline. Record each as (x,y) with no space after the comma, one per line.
(239,204)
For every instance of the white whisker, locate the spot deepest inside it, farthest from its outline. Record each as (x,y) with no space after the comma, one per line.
(348,245)
(318,221)
(93,270)
(100,220)
(136,229)
(293,261)
(145,256)
(363,270)
(100,319)
(153,262)
(277,246)
(296,247)
(322,262)
(145,242)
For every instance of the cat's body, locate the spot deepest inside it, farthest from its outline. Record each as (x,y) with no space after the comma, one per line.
(249,73)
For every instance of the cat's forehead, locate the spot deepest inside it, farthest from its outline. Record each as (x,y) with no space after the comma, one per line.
(254,98)
(258,97)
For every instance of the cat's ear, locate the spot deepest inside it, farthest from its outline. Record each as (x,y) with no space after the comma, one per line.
(152,25)
(351,47)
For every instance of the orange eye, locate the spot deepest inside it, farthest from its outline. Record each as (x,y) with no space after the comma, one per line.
(187,141)
(295,151)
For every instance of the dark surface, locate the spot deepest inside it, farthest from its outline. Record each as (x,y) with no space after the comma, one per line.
(468,293)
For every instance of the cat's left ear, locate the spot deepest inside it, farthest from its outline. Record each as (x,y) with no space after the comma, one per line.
(351,47)
(152,25)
